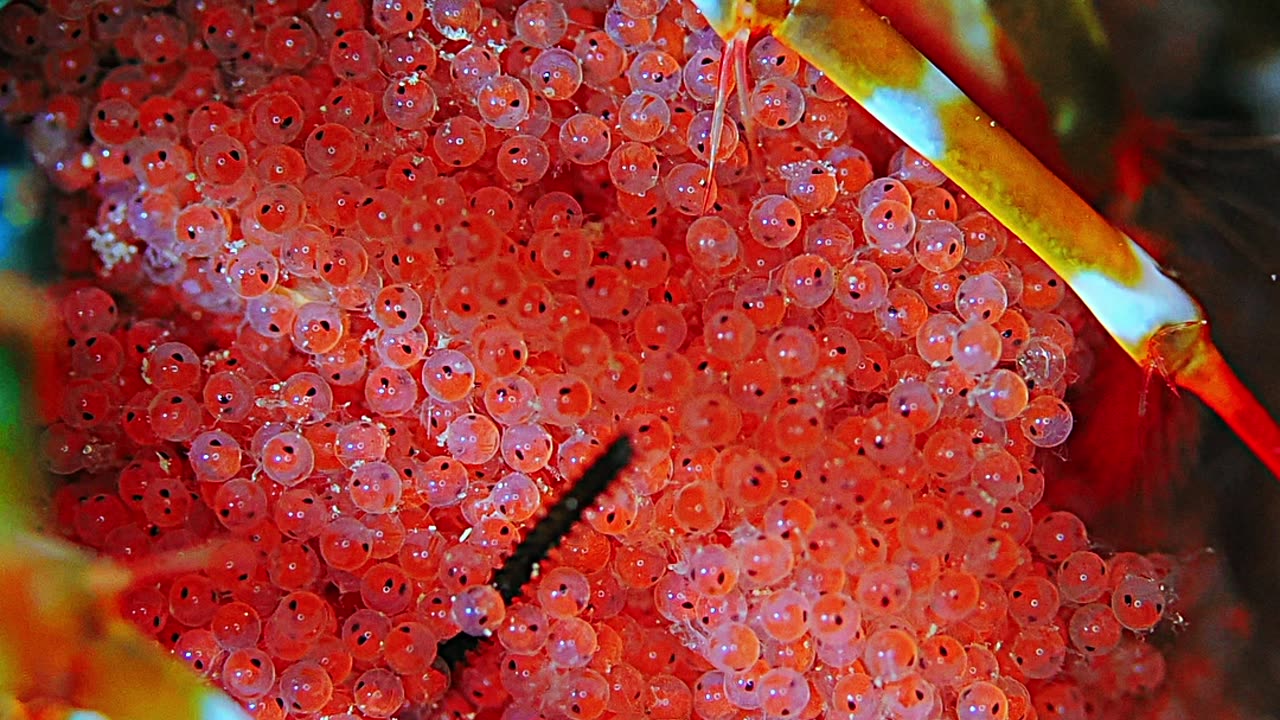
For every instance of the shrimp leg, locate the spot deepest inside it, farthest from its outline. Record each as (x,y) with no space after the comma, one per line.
(1150,315)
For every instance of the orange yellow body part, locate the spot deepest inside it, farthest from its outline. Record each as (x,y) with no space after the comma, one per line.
(65,652)
(1149,314)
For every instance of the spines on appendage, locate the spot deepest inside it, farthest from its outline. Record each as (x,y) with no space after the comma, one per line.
(733,64)
(1135,301)
(519,568)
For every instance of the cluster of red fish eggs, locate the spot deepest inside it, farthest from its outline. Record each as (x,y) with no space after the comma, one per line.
(373,284)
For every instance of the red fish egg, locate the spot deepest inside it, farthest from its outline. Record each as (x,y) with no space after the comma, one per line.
(890,654)
(228,396)
(410,648)
(792,351)
(390,391)
(397,308)
(472,439)
(1002,395)
(1039,652)
(702,75)
(627,31)
(97,356)
(688,190)
(981,297)
(942,660)
(835,619)
(239,504)
(774,221)
(585,139)
(712,243)
(1094,629)
(221,160)
(555,74)
(982,701)
(1033,601)
(290,43)
(776,103)
(193,600)
(540,23)
(698,137)
(479,610)
(784,692)
(287,458)
(174,416)
(934,203)
(299,514)
(976,348)
(305,687)
(331,149)
(904,313)
(889,225)
(318,328)
(472,67)
(881,189)
(856,697)
(355,55)
(276,119)
(808,280)
(166,502)
(525,629)
(253,272)
(197,649)
(21,32)
(363,634)
(1042,290)
(956,595)
(503,102)
(571,643)
(985,238)
(1058,535)
(811,185)
(654,71)
(831,239)
(1138,603)
(396,17)
(1043,364)
(378,693)
(448,375)
(526,447)
(601,59)
(863,287)
(456,19)
(114,122)
(86,404)
(998,474)
(248,673)
(523,160)
(699,507)
(1047,421)
(375,487)
(460,142)
(939,245)
(825,123)
(784,615)
(914,170)
(644,116)
(386,588)
(236,625)
(409,104)
(1082,577)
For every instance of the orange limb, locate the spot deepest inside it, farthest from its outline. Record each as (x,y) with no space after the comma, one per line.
(732,63)
(1188,359)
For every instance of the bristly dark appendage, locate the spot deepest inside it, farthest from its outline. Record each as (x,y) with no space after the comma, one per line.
(518,569)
